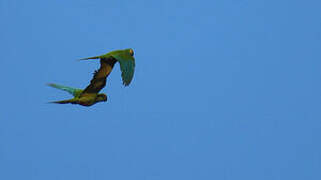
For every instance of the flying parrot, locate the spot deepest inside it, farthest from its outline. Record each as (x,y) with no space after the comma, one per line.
(126,60)
(90,95)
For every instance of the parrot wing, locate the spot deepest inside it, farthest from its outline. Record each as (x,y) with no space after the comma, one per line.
(98,81)
(127,67)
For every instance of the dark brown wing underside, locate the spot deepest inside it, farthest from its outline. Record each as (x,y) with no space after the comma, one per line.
(98,82)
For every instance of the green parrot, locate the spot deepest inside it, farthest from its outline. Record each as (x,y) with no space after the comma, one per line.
(90,95)
(126,60)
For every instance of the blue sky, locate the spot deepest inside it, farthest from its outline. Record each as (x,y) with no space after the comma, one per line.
(223,89)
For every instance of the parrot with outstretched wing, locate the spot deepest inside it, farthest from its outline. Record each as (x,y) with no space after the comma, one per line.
(126,60)
(90,95)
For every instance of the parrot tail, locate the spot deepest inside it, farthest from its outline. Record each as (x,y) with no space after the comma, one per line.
(64,88)
(72,101)
(95,57)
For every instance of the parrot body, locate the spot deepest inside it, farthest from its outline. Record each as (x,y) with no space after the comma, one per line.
(89,96)
(88,100)
(126,60)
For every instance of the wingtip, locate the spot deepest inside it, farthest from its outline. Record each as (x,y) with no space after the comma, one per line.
(125,84)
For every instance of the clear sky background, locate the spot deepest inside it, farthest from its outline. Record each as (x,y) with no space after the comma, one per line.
(223,89)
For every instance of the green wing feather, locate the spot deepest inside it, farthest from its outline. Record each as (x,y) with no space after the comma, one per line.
(127,66)
(73,91)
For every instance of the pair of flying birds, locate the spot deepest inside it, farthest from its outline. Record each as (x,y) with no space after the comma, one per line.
(90,95)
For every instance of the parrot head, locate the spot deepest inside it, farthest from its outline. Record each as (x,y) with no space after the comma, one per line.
(101,97)
(131,52)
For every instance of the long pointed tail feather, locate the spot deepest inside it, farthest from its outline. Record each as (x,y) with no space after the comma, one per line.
(95,57)
(72,101)
(70,90)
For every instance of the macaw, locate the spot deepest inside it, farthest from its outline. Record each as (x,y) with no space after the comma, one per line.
(126,60)
(90,95)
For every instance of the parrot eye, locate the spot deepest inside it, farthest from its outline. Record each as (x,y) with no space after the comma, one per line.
(131,52)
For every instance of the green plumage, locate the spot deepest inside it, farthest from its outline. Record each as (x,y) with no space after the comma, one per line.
(126,60)
(73,91)
(78,99)
(90,95)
